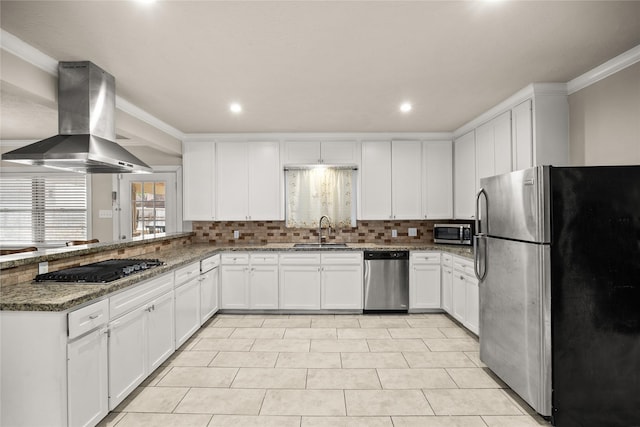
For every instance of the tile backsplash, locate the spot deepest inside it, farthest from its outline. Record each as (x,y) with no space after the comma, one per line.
(261,232)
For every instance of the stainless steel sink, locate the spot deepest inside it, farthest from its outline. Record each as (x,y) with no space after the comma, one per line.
(320,245)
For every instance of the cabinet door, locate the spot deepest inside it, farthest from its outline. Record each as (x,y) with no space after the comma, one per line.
(264,181)
(88,381)
(340,152)
(437,181)
(406,179)
(234,283)
(341,287)
(160,330)
(264,287)
(208,294)
(376,181)
(502,143)
(459,297)
(464,178)
(127,355)
(301,152)
(232,181)
(472,305)
(425,286)
(522,134)
(447,289)
(485,153)
(187,310)
(300,287)
(198,161)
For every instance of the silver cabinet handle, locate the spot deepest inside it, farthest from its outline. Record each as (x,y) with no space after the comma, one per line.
(94,316)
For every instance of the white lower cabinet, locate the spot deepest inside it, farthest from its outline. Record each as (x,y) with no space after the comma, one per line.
(209,290)
(127,355)
(234,281)
(424,280)
(300,287)
(466,303)
(141,338)
(263,287)
(447,283)
(328,281)
(341,281)
(160,330)
(187,302)
(87,365)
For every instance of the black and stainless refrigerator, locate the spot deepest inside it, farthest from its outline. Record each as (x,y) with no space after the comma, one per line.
(558,259)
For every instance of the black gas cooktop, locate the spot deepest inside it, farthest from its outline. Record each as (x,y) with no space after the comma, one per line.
(100,272)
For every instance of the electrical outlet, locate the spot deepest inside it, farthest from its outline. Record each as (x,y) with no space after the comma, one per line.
(43,267)
(236,234)
(394,233)
(413,232)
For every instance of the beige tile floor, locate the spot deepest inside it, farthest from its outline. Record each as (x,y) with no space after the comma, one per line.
(325,370)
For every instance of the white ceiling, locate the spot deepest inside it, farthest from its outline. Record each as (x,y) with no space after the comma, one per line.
(316,66)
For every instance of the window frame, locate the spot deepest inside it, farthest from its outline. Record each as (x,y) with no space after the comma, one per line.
(32,172)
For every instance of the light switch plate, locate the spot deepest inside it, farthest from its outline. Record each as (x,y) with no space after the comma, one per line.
(394,233)
(236,234)
(105,213)
(413,232)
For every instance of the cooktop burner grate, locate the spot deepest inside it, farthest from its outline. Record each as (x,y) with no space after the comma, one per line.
(99,272)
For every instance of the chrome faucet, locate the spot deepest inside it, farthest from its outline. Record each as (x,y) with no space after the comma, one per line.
(320,227)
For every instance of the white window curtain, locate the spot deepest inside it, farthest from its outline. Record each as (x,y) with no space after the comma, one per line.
(312,193)
(44,208)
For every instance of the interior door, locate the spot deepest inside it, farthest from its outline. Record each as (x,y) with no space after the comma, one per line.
(148,204)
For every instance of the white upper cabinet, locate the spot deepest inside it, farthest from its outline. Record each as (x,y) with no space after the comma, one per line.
(328,152)
(406,182)
(391,180)
(522,136)
(232,179)
(265,176)
(375,193)
(248,181)
(464,179)
(198,160)
(493,147)
(437,181)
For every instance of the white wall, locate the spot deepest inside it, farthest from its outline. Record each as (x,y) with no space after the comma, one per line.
(604,121)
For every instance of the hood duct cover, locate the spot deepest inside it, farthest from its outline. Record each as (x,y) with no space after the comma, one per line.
(86,126)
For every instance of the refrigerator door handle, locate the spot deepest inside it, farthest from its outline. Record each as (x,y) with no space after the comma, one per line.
(480,275)
(481,192)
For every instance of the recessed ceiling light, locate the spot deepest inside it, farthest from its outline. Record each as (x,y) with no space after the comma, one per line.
(146,1)
(405,107)
(235,107)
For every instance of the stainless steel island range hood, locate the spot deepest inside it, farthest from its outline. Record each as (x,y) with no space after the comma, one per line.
(86,126)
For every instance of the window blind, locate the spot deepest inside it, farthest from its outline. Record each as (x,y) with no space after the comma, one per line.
(43,208)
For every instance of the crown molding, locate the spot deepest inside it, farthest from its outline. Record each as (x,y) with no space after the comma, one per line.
(603,71)
(317,136)
(37,58)
(530,91)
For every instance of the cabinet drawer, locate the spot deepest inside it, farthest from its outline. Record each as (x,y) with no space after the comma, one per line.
(209,263)
(264,258)
(187,273)
(88,318)
(341,258)
(463,265)
(300,259)
(425,257)
(139,295)
(234,258)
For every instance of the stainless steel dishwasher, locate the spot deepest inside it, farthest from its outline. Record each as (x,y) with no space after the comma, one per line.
(386,281)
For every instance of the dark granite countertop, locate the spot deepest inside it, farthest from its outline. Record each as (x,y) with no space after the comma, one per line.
(30,296)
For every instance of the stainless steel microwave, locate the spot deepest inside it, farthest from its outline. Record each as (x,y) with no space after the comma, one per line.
(453,234)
